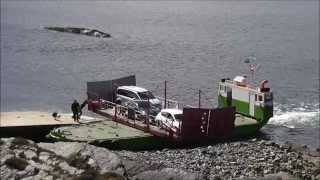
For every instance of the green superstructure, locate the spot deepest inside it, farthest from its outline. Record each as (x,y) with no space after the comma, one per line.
(253,102)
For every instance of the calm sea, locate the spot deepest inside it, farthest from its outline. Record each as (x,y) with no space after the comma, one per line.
(191,44)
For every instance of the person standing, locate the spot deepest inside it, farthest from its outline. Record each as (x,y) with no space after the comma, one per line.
(75,107)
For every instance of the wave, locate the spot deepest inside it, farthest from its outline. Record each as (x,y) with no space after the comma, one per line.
(296,116)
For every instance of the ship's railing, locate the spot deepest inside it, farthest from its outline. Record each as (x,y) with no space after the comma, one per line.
(165,103)
(247,86)
(124,112)
(132,115)
(133,118)
(171,104)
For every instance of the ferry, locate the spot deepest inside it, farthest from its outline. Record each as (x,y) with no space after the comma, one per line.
(254,105)
(242,110)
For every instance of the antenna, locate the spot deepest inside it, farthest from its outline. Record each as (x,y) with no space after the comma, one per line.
(253,67)
(199,96)
(165,94)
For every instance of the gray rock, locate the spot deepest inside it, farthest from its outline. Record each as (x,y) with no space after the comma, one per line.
(64,149)
(71,170)
(20,160)
(29,154)
(28,172)
(105,160)
(7,173)
(134,167)
(44,156)
(166,174)
(83,155)
(5,157)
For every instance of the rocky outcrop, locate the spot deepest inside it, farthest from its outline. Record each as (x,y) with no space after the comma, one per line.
(24,159)
(86,156)
(246,160)
(83,31)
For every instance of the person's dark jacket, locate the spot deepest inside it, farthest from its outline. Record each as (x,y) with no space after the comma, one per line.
(75,107)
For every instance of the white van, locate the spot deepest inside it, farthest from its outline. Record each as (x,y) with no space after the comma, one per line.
(136,97)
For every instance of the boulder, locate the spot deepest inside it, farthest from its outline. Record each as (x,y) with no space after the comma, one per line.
(86,156)
(24,159)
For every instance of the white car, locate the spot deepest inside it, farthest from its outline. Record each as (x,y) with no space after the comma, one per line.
(170,119)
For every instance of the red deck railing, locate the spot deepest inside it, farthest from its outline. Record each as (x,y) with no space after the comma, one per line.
(120,114)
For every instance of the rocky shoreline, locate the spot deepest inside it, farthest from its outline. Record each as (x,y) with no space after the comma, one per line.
(251,159)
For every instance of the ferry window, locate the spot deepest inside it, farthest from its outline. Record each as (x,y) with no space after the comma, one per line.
(221,87)
(132,95)
(260,98)
(164,114)
(268,97)
(225,89)
(255,97)
(170,117)
(146,95)
(122,92)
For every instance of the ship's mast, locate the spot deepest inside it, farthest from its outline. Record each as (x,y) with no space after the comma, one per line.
(253,67)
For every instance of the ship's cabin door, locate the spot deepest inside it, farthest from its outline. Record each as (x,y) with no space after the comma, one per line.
(251,103)
(229,96)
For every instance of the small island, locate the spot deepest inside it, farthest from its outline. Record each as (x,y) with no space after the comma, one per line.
(84,31)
